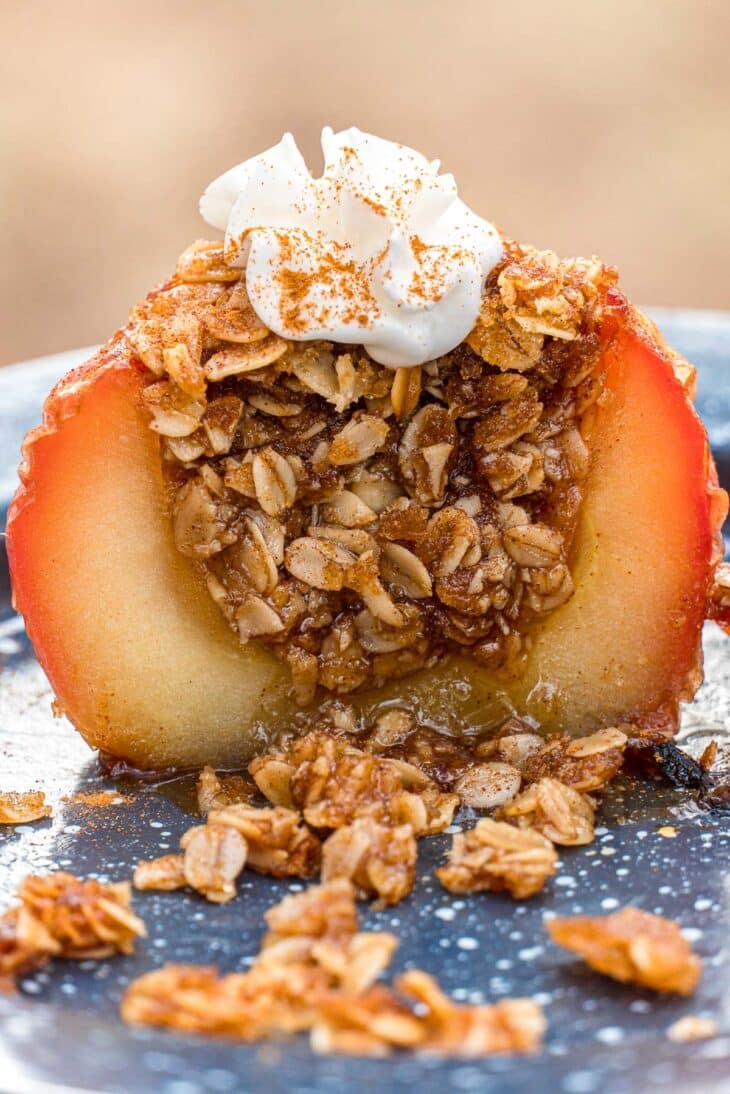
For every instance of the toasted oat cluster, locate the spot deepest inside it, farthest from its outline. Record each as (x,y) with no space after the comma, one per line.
(278,843)
(316,971)
(498,857)
(632,946)
(362,521)
(25,945)
(377,858)
(334,783)
(17,808)
(585,763)
(377,806)
(60,915)
(512,1025)
(86,918)
(270,841)
(559,812)
(368,788)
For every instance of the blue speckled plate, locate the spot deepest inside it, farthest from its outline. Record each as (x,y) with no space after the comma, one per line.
(62,1032)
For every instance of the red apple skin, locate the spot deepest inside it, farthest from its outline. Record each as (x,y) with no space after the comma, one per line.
(124,628)
(146,668)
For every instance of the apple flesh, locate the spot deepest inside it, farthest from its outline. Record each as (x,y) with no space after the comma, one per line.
(145,666)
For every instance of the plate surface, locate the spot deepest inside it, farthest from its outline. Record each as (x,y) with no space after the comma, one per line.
(62,1032)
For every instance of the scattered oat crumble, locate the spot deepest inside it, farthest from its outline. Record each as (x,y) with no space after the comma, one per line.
(512,1025)
(334,783)
(23,808)
(631,946)
(378,859)
(317,972)
(25,946)
(214,855)
(166,873)
(558,811)
(270,841)
(278,842)
(583,763)
(60,915)
(87,918)
(497,856)
(373,1023)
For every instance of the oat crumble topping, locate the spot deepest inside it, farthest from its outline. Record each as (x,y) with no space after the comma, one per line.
(631,946)
(316,971)
(23,808)
(558,811)
(60,915)
(25,945)
(269,841)
(378,859)
(334,783)
(584,763)
(278,843)
(498,857)
(362,522)
(512,1025)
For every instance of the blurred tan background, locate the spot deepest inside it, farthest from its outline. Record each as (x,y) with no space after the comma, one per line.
(590,127)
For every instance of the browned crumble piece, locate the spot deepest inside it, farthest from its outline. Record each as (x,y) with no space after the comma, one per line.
(334,783)
(166,873)
(214,856)
(278,843)
(585,763)
(532,298)
(429,811)
(247,1006)
(498,857)
(85,918)
(377,859)
(23,808)
(312,950)
(25,946)
(320,911)
(512,1025)
(632,946)
(351,963)
(559,812)
(218,791)
(320,927)
(316,972)
(373,1023)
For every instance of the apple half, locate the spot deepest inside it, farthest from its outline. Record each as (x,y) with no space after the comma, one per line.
(146,667)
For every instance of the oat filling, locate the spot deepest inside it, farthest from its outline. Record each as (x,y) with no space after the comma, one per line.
(363,522)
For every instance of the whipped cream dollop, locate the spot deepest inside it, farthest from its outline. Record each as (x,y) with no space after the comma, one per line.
(378,251)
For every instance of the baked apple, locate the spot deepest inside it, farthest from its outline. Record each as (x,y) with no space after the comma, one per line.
(225,518)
